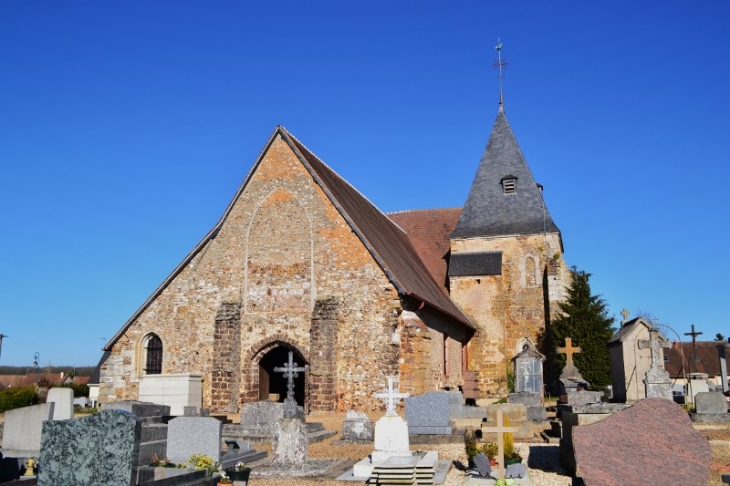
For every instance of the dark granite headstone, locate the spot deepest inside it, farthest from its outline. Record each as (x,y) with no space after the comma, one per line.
(483,467)
(98,449)
(428,413)
(652,441)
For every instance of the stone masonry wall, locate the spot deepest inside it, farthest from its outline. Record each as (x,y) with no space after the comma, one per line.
(287,256)
(225,378)
(509,308)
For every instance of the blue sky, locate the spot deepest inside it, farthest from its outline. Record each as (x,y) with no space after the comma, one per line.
(126,128)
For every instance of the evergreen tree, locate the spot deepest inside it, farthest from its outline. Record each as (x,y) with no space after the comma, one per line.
(585,320)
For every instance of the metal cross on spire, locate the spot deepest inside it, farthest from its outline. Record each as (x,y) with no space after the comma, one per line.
(1,342)
(499,64)
(291,371)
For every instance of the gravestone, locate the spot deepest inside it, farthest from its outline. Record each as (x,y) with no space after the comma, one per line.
(260,417)
(723,349)
(428,414)
(482,465)
(290,441)
(657,381)
(145,411)
(533,404)
(570,378)
(22,430)
(574,416)
(517,415)
(357,427)
(710,407)
(652,442)
(90,451)
(500,429)
(193,435)
(63,398)
(528,371)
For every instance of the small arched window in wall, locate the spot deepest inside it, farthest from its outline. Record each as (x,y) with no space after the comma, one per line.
(530,272)
(153,355)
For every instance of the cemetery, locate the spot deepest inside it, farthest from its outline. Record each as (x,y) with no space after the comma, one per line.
(431,438)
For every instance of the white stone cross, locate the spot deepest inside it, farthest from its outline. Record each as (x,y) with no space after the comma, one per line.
(391,397)
(500,429)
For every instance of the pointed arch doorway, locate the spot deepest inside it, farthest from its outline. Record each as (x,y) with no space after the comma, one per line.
(273,384)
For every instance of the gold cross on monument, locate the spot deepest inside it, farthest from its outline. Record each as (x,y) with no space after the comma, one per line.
(500,429)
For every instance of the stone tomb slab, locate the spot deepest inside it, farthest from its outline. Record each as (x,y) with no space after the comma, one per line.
(193,435)
(651,442)
(429,413)
(22,430)
(93,450)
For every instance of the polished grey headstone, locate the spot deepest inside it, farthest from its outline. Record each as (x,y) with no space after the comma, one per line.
(98,449)
(428,413)
(193,435)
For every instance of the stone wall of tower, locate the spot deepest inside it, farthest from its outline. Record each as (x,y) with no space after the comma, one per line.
(510,308)
(299,276)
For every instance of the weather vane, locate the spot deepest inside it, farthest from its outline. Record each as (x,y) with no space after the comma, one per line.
(499,64)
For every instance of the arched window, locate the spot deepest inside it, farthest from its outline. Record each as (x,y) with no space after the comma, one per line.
(153,352)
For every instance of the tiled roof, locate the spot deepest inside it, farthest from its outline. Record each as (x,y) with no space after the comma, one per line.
(476,263)
(53,379)
(708,359)
(488,210)
(429,230)
(388,244)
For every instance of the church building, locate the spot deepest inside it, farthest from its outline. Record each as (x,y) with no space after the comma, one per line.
(300,261)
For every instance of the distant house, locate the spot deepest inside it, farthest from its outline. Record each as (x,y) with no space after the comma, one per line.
(52,379)
(684,359)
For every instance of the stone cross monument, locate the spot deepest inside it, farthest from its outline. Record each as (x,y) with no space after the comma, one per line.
(570,372)
(291,371)
(658,383)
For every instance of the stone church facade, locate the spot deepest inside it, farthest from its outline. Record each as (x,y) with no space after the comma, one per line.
(301,261)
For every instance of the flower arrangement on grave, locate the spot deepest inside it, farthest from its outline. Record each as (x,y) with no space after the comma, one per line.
(202,461)
(505,482)
(470,444)
(490,449)
(224,479)
(510,454)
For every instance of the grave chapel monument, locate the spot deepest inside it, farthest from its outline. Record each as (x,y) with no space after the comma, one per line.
(302,262)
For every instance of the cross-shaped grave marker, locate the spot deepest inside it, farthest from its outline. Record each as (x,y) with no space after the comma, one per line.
(291,371)
(626,315)
(500,429)
(570,371)
(391,397)
(655,344)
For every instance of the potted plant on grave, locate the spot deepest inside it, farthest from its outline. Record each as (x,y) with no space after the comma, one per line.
(510,454)
(490,449)
(224,479)
(164,462)
(239,472)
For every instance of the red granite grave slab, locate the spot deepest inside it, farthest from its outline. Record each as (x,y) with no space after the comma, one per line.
(652,442)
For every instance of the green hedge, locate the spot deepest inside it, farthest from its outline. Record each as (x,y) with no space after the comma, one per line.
(18,396)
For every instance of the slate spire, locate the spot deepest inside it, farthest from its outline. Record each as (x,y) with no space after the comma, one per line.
(504,199)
